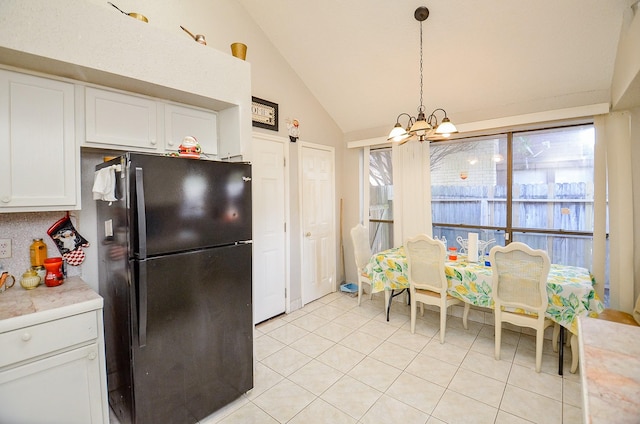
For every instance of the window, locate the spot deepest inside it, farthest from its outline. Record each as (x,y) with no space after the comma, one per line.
(380,199)
(530,186)
(552,192)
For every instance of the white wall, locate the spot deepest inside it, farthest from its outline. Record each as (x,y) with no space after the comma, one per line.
(351,207)
(625,85)
(635,159)
(222,22)
(225,22)
(625,95)
(625,90)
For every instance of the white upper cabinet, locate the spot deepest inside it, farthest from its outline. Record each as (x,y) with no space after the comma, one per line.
(116,119)
(181,121)
(133,57)
(119,120)
(39,161)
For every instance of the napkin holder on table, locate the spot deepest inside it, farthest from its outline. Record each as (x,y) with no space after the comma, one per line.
(472,247)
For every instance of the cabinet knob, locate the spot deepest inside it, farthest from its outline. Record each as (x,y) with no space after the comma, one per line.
(6,199)
(92,355)
(308,234)
(26,337)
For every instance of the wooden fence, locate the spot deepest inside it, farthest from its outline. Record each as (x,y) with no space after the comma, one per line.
(555,206)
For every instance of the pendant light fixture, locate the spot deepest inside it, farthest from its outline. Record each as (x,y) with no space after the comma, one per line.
(423,127)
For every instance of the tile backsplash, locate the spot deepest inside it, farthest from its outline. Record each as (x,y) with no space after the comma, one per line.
(22,228)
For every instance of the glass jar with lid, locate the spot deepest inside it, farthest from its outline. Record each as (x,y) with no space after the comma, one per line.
(38,252)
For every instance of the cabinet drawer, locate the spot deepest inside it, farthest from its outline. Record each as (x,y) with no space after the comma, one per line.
(29,342)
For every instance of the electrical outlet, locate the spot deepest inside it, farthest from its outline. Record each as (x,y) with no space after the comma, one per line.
(5,248)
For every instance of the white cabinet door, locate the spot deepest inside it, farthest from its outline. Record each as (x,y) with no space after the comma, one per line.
(63,388)
(39,162)
(121,120)
(181,121)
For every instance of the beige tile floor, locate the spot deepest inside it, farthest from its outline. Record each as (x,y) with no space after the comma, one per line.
(335,362)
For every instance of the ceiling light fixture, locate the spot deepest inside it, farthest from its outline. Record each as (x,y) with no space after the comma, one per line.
(423,127)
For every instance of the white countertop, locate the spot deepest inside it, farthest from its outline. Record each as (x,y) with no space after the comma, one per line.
(610,371)
(20,307)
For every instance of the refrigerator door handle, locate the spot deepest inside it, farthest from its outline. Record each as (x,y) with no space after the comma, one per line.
(142,304)
(141,215)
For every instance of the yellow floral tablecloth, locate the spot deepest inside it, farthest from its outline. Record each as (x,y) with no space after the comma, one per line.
(570,289)
(387,270)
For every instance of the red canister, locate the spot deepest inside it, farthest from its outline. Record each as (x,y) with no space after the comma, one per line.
(54,275)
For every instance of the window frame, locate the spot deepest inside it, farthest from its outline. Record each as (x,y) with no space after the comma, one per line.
(374,223)
(508,229)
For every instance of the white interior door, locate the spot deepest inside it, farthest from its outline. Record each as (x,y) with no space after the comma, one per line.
(317,198)
(269,218)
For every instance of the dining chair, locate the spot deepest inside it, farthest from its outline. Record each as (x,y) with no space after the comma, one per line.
(612,315)
(362,254)
(519,291)
(622,317)
(427,281)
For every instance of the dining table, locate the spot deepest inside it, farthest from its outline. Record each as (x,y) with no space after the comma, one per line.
(570,289)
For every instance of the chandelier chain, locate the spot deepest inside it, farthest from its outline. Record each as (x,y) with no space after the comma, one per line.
(421,108)
(422,126)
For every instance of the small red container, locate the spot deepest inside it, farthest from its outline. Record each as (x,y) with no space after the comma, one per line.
(54,276)
(453,253)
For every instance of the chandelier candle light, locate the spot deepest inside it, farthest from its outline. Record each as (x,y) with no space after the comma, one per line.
(423,127)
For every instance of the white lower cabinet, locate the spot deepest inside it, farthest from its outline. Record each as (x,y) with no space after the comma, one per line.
(54,372)
(63,388)
(39,161)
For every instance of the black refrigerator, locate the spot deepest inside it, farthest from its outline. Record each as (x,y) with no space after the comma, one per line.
(175,275)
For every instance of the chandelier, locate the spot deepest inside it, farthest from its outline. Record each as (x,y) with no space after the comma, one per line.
(423,127)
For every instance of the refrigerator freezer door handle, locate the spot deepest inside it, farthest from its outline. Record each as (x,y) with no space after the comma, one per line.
(142,304)
(140,216)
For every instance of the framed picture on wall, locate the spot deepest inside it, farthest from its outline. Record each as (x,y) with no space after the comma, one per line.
(264,114)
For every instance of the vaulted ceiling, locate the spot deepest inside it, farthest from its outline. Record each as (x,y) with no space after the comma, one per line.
(482,59)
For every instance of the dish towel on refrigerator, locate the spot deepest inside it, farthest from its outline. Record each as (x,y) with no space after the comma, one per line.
(104,184)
